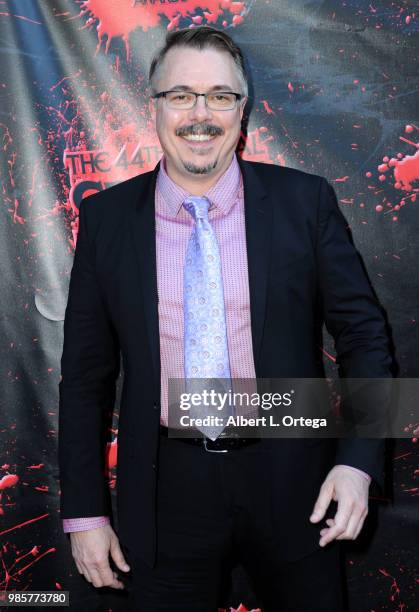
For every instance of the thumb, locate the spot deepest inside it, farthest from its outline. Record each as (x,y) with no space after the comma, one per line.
(117,556)
(322,503)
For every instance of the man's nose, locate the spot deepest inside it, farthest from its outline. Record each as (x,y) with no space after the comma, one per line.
(200,111)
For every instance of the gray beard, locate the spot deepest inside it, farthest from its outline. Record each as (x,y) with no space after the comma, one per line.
(193,169)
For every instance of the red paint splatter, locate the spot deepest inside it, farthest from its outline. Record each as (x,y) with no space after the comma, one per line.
(35,553)
(402,172)
(20,525)
(21,17)
(119,18)
(112,454)
(241,608)
(8,481)
(66,78)
(7,139)
(406,171)
(328,355)
(237,19)
(267,107)
(395,590)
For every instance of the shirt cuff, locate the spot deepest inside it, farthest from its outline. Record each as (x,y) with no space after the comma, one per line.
(364,474)
(84,523)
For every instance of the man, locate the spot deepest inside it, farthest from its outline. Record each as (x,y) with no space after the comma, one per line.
(188,510)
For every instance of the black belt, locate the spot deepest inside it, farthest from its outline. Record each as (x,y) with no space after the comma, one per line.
(220,445)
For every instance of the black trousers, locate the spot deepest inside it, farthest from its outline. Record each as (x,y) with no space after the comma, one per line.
(214,510)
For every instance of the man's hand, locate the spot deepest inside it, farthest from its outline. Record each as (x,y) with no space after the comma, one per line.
(350,491)
(90,551)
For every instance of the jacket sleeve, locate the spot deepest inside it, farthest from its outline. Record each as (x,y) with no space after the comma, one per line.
(89,368)
(355,320)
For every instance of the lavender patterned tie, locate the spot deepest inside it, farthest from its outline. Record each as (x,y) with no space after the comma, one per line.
(205,333)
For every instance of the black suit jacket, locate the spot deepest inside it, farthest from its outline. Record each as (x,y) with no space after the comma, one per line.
(303,271)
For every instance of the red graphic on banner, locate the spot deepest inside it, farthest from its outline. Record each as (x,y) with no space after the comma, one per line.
(118,18)
(94,170)
(8,481)
(112,454)
(401,171)
(241,608)
(406,171)
(13,572)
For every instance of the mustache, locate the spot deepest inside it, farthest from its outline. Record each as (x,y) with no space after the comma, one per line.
(200,129)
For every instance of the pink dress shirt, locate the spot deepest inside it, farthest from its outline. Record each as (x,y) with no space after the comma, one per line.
(173,228)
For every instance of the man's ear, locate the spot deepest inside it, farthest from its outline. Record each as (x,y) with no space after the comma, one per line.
(152,108)
(243,103)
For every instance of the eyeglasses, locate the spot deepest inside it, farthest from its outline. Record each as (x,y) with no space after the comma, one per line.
(185,100)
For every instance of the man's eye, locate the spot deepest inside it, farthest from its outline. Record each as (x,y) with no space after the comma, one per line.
(221,99)
(180,97)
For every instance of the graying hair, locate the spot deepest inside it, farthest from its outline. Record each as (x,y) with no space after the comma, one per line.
(203,37)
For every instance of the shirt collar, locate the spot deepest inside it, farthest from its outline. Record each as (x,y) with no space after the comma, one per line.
(222,195)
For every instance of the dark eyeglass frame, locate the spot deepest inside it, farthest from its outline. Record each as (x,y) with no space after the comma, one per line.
(163,94)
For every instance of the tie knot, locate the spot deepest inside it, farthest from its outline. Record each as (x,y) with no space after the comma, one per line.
(197,206)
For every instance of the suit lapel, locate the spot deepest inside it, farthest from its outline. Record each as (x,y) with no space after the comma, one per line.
(143,231)
(258,220)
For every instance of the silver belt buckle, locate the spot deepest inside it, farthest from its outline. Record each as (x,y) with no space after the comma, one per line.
(212,450)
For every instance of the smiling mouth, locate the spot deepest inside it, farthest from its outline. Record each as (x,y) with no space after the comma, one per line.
(198,137)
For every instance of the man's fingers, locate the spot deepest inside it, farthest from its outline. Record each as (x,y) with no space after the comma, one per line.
(84,571)
(330,522)
(341,521)
(96,579)
(330,534)
(354,526)
(91,549)
(99,573)
(351,527)
(117,556)
(351,492)
(102,576)
(323,501)
(346,525)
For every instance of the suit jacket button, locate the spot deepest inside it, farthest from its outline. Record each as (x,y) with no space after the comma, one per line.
(153,466)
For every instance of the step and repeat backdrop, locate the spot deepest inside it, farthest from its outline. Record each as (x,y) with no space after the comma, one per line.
(334,92)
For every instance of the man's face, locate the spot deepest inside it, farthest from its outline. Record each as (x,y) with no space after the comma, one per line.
(201,71)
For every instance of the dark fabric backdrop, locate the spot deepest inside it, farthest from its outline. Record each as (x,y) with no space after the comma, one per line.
(334,86)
